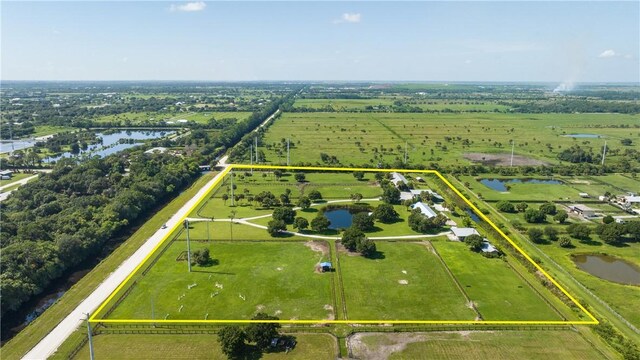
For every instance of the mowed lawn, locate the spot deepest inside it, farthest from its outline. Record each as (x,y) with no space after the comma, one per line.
(373,290)
(512,344)
(498,292)
(352,137)
(197,346)
(277,278)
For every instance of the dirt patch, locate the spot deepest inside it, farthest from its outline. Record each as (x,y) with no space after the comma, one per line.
(318,246)
(259,308)
(386,344)
(343,250)
(403,282)
(502,159)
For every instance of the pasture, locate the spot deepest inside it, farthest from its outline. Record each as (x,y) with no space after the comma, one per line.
(370,138)
(245,278)
(198,346)
(512,344)
(392,287)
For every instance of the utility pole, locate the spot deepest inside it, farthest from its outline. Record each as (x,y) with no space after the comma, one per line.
(255,140)
(91,355)
(186,223)
(233,201)
(405,152)
(604,152)
(251,157)
(287,152)
(513,145)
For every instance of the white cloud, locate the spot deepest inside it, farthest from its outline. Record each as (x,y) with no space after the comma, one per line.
(607,54)
(189,7)
(349,18)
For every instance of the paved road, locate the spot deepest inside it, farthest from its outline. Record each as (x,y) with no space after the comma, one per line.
(4,195)
(48,345)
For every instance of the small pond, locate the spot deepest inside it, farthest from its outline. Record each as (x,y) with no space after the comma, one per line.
(500,184)
(111,143)
(608,268)
(592,136)
(340,219)
(472,215)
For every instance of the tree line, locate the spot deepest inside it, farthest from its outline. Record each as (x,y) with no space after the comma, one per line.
(67,216)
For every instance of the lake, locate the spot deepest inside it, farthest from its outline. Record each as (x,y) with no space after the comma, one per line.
(500,184)
(111,144)
(608,268)
(340,219)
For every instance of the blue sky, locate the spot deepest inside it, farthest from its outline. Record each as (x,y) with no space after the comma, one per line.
(417,41)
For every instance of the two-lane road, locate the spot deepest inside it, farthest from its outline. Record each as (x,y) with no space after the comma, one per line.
(48,345)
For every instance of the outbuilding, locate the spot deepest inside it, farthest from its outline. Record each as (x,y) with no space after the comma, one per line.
(582,210)
(424,209)
(462,233)
(326,266)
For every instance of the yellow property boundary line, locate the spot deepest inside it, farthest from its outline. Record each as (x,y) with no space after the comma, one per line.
(592,321)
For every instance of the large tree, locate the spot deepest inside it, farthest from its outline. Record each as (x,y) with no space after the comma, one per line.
(231,339)
(385,213)
(362,221)
(285,214)
(320,223)
(474,242)
(262,333)
(274,227)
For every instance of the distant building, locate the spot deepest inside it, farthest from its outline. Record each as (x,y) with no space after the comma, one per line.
(583,195)
(582,210)
(156,150)
(424,209)
(631,199)
(462,233)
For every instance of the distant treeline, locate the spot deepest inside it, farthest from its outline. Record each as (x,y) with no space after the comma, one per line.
(574,106)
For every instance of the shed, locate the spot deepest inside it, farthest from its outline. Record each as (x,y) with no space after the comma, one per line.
(326,266)
(462,233)
(487,247)
(7,173)
(582,210)
(583,195)
(424,209)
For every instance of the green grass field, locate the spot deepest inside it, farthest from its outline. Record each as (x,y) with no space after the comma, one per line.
(373,290)
(135,118)
(424,104)
(498,292)
(352,137)
(272,277)
(198,346)
(514,344)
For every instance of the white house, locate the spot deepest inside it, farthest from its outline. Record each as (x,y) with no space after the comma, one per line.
(462,233)
(398,179)
(424,209)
